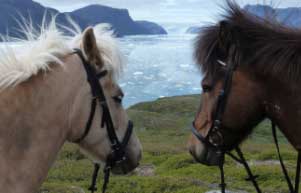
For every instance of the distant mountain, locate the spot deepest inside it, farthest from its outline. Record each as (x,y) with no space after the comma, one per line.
(288,16)
(120,20)
(261,10)
(12,10)
(193,30)
(16,12)
(152,27)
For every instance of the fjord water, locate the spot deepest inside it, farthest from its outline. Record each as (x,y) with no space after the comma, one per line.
(158,66)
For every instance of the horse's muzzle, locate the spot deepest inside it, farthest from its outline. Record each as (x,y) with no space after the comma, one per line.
(126,166)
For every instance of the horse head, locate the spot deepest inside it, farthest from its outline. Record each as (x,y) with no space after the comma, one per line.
(107,136)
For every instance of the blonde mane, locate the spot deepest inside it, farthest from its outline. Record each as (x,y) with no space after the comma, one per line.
(49,45)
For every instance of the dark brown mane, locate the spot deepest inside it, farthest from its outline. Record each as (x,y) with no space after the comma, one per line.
(266,45)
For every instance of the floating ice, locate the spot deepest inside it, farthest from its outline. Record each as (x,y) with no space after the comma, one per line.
(138,73)
(159,66)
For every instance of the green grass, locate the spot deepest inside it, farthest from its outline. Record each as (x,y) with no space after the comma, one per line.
(163,127)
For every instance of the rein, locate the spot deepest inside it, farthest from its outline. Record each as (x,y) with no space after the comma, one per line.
(215,138)
(118,153)
(292,189)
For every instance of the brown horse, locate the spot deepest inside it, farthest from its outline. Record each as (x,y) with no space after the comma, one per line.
(45,100)
(265,84)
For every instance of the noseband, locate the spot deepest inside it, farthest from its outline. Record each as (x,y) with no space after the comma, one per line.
(118,153)
(215,137)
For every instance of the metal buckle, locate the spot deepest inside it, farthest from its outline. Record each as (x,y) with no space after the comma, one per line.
(216,139)
(215,136)
(115,146)
(217,125)
(114,143)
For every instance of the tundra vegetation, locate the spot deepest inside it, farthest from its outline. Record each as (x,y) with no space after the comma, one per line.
(163,127)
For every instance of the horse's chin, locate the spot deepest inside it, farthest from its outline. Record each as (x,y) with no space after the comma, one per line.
(124,168)
(208,157)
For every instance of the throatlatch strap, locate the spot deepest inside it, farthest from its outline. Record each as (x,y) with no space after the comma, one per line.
(89,122)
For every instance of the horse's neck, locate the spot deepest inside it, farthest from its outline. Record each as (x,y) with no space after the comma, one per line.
(283,106)
(34,126)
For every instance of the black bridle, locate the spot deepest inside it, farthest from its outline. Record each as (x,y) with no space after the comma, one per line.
(118,153)
(215,137)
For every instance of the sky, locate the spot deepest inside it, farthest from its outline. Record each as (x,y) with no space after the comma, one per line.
(165,11)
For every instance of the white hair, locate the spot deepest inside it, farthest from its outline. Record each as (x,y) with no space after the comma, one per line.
(49,45)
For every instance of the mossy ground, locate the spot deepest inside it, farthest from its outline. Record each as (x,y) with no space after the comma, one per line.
(163,127)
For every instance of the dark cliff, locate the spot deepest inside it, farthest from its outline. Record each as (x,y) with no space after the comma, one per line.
(11,12)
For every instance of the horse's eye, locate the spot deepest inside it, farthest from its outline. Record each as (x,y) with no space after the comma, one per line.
(206,88)
(118,99)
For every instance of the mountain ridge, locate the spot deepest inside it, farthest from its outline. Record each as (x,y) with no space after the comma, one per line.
(290,16)
(119,19)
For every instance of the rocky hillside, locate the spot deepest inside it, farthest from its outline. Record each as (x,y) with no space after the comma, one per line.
(120,20)
(11,12)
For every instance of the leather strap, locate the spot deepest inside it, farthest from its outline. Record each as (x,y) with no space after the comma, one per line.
(241,159)
(221,168)
(292,189)
(93,187)
(89,122)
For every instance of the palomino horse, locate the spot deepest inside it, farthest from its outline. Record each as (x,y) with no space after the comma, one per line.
(252,72)
(45,100)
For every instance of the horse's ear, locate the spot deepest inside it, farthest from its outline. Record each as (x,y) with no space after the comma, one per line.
(228,34)
(90,48)
(224,39)
(224,33)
